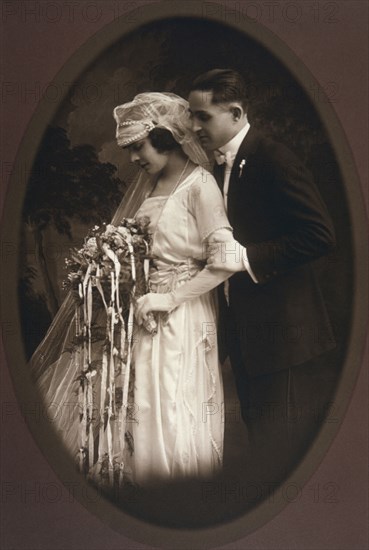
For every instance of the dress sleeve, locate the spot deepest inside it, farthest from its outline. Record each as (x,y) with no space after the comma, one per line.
(206,205)
(206,280)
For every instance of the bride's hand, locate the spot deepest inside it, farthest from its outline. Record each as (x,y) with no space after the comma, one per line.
(152,302)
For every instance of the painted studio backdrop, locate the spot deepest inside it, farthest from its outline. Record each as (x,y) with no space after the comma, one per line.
(80,175)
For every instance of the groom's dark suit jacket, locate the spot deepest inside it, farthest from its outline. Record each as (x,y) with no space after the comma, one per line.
(276,211)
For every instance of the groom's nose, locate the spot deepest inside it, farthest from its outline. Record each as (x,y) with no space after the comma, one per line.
(195,125)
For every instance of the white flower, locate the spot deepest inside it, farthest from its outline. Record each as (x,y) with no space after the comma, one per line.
(91,245)
(123,231)
(242,164)
(90,374)
(118,240)
(110,229)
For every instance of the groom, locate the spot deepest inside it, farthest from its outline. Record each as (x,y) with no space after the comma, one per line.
(273,319)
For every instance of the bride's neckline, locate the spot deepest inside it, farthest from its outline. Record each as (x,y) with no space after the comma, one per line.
(177,189)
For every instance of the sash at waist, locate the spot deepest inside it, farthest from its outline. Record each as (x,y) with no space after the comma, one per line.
(165,277)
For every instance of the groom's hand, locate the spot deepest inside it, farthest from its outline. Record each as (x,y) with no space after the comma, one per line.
(227,256)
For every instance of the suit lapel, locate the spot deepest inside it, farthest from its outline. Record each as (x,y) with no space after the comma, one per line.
(238,177)
(247,148)
(218,173)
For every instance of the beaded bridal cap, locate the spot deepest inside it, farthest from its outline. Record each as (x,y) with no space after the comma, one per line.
(135,120)
(153,110)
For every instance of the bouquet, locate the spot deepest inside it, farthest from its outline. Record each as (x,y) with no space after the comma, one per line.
(109,273)
(113,257)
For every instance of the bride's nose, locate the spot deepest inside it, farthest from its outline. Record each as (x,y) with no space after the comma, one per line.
(134,156)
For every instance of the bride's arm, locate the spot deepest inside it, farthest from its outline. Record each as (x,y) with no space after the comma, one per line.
(204,281)
(206,205)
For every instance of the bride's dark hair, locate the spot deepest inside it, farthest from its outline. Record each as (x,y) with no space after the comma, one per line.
(162,140)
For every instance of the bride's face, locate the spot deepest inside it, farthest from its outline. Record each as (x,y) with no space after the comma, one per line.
(147,157)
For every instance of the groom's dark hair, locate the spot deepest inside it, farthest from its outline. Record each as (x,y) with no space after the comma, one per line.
(226,84)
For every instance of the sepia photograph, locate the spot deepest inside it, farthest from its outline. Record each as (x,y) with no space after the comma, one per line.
(184,273)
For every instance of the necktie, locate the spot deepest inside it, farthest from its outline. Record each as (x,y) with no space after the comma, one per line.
(223,158)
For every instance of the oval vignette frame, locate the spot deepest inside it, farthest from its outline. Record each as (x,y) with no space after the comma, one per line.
(54,452)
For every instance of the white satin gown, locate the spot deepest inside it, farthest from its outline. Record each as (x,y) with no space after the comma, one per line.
(178,420)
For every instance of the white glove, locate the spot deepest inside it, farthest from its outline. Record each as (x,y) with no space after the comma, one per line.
(153,302)
(227,256)
(203,282)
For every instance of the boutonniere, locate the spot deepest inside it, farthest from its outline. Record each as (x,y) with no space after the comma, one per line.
(242,164)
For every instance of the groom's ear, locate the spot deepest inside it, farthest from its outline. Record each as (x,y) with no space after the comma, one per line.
(237,111)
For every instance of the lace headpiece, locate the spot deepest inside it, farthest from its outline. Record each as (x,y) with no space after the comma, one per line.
(152,110)
(135,120)
(133,131)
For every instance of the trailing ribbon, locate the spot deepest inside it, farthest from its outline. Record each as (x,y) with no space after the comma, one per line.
(91,274)
(118,339)
(127,370)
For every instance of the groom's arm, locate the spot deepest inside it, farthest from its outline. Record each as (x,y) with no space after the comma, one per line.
(305,228)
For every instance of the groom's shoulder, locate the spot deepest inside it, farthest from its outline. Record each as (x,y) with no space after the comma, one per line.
(259,144)
(274,151)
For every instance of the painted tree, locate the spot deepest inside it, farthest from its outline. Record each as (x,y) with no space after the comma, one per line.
(66,184)
(34,315)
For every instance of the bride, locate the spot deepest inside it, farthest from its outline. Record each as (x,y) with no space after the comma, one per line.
(177,425)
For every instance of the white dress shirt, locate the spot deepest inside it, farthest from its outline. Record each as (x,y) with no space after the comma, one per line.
(230,150)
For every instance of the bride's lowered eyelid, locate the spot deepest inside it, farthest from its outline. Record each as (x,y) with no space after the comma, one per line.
(136,147)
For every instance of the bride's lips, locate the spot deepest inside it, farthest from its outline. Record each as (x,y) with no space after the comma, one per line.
(144,166)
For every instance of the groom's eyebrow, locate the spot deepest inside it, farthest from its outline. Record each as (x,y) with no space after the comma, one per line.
(198,112)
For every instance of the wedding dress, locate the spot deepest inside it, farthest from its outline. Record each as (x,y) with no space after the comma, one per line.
(175,421)
(178,424)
